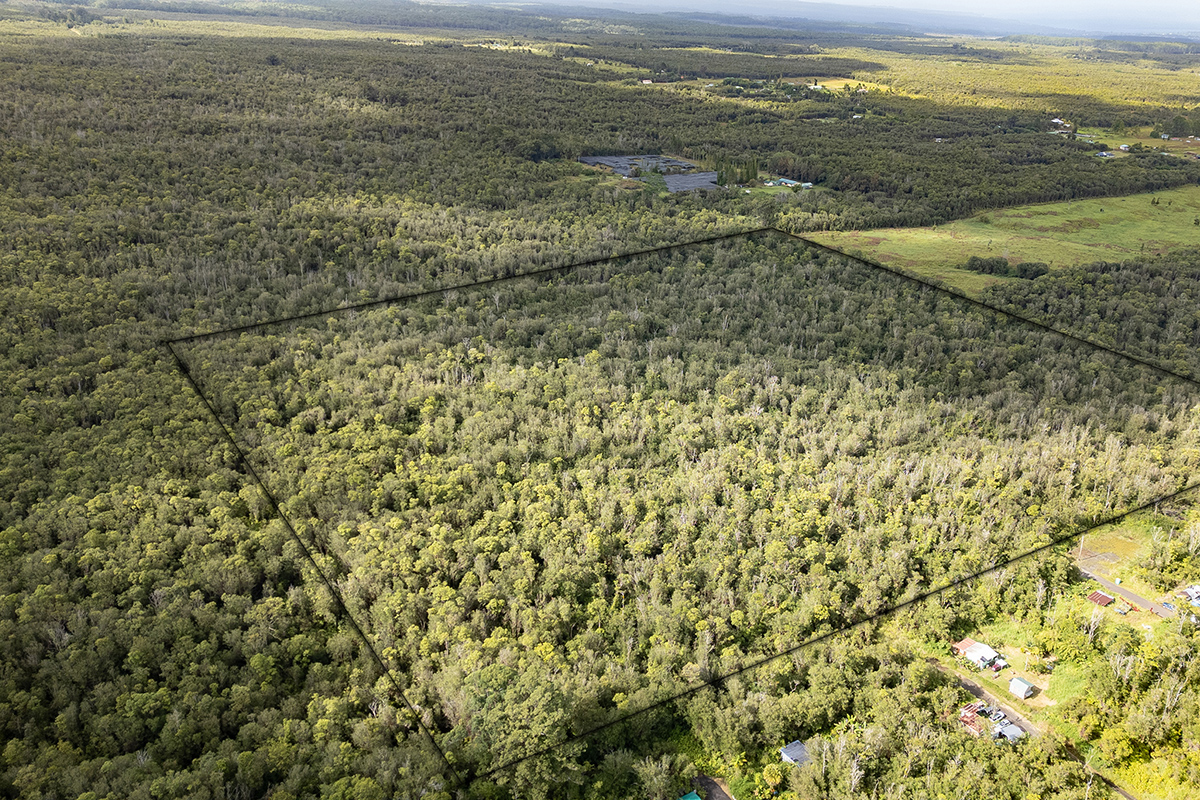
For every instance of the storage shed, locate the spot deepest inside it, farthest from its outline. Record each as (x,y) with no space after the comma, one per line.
(1021,687)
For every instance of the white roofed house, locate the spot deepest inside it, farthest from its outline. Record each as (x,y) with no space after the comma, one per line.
(978,654)
(1020,687)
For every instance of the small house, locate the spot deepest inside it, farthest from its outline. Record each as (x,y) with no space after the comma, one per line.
(1021,688)
(1124,148)
(806,185)
(978,654)
(1100,598)
(786,182)
(794,753)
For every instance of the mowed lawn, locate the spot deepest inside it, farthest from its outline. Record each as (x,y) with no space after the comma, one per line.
(1059,234)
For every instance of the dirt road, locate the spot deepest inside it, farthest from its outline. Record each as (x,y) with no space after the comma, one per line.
(979,692)
(983,694)
(1134,599)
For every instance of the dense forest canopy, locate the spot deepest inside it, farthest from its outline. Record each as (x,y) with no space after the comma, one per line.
(551,502)
(652,472)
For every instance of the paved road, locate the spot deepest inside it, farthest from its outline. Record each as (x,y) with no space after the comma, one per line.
(1135,599)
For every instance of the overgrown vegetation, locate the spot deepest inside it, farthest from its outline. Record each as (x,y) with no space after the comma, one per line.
(551,502)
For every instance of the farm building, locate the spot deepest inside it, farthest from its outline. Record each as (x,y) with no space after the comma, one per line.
(1100,598)
(794,753)
(625,165)
(1020,687)
(679,175)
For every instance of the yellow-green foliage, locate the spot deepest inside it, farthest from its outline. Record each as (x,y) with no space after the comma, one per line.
(1037,77)
(1154,779)
(1059,234)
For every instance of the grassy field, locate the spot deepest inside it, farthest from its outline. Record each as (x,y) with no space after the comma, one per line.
(1183,146)
(1128,545)
(1039,77)
(1059,234)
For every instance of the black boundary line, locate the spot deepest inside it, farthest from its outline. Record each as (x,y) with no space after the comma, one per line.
(714,682)
(717,681)
(337,596)
(465,286)
(274,503)
(980,304)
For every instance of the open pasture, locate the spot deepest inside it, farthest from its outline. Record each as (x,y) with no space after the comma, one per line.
(1059,234)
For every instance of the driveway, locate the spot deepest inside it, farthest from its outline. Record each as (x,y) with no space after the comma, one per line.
(1134,599)
(713,788)
(983,694)
(980,693)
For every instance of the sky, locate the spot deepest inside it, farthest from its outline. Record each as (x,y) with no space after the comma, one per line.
(1164,17)
(1168,16)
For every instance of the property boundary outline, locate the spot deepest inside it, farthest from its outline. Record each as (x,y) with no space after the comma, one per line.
(716,681)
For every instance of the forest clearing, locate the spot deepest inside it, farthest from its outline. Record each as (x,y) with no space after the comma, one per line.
(1064,234)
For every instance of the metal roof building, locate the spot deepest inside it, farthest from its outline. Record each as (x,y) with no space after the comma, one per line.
(794,753)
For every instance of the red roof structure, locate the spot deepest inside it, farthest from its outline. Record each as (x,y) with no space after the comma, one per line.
(958,648)
(969,718)
(1100,598)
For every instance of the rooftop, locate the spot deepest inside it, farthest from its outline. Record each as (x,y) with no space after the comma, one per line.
(794,753)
